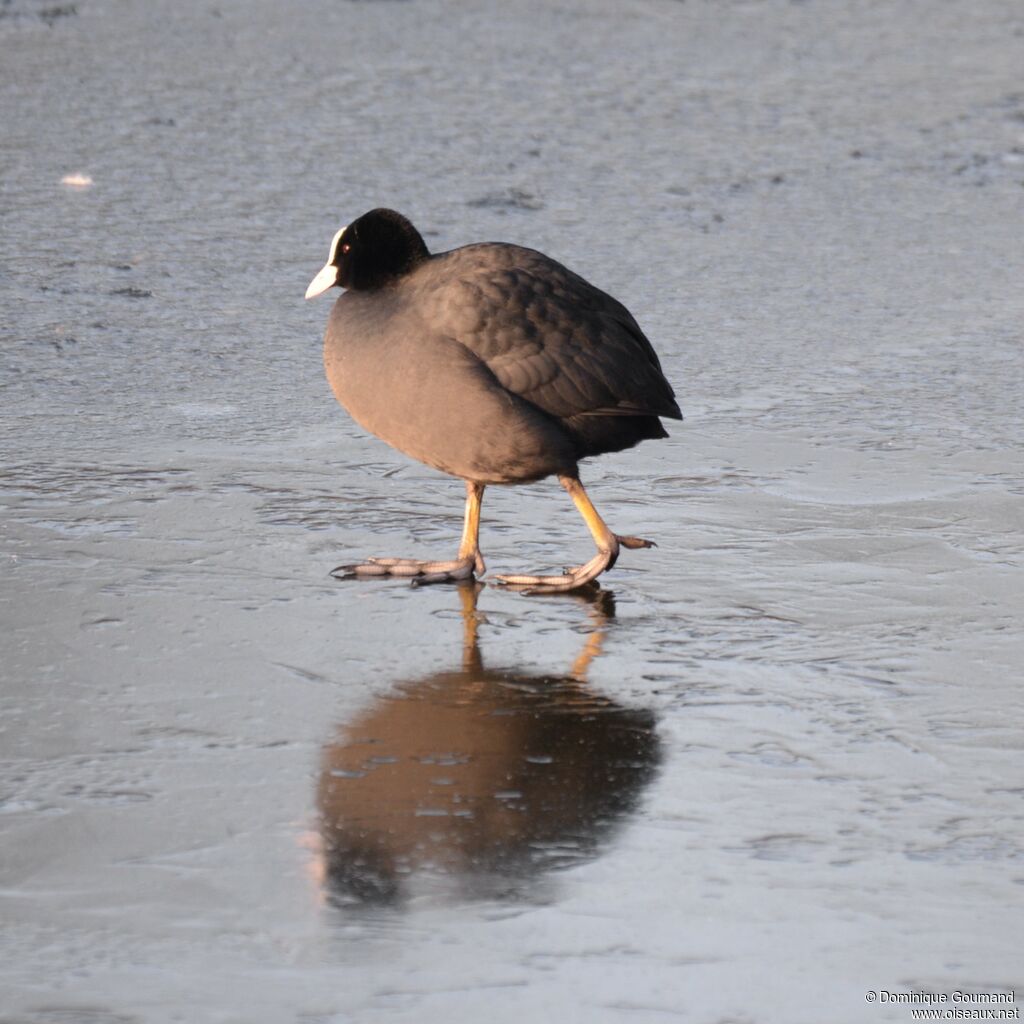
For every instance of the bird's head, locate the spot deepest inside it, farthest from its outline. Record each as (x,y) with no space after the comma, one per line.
(370,252)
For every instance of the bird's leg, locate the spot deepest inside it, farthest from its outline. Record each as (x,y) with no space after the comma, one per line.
(608,545)
(469,546)
(462,567)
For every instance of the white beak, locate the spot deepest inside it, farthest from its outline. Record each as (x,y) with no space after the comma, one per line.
(324,280)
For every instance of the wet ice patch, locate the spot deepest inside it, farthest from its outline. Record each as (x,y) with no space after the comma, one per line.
(76,1015)
(86,526)
(205,410)
(507,199)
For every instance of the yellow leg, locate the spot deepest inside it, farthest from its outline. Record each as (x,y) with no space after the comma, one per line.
(605,540)
(470,545)
(608,544)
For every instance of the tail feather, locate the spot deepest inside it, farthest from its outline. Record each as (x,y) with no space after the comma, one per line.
(595,435)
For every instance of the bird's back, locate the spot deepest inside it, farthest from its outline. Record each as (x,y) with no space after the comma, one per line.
(548,335)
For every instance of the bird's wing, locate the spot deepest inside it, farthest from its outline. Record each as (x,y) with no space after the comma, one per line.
(555,340)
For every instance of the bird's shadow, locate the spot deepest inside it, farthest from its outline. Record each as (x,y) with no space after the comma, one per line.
(478,782)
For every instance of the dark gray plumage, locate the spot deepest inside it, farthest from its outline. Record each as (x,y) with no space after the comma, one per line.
(493,363)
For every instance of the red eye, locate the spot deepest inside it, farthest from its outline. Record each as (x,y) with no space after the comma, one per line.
(346,247)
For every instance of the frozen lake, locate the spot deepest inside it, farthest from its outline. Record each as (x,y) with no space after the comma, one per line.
(770,766)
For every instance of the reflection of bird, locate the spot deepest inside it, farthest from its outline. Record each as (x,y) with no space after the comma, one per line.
(493,363)
(487,777)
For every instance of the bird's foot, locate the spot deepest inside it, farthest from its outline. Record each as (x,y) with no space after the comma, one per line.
(573,577)
(418,572)
(570,579)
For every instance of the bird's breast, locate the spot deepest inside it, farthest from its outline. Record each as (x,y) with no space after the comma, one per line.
(427,395)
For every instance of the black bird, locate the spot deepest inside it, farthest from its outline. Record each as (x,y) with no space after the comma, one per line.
(493,363)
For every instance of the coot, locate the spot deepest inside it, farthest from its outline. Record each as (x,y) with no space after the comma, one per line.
(493,363)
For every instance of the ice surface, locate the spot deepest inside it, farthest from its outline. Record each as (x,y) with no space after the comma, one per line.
(815,210)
